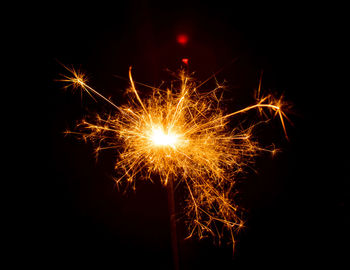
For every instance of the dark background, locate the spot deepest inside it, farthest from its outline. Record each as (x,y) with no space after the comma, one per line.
(295,203)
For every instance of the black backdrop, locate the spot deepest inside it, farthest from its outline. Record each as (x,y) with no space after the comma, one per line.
(295,203)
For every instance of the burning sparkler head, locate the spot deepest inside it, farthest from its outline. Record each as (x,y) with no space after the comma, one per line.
(181,133)
(161,138)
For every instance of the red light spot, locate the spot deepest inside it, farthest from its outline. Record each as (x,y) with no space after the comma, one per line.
(185,61)
(182,39)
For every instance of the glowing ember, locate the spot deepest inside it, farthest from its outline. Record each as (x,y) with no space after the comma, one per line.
(182,39)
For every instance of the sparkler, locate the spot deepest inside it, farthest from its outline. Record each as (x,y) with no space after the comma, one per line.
(181,134)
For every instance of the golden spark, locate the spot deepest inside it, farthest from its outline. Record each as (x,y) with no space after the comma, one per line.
(183,135)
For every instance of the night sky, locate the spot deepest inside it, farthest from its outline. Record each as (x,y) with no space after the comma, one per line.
(296,201)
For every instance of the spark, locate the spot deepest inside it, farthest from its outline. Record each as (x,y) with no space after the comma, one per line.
(182,133)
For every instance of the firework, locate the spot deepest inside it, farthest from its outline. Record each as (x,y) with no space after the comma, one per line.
(181,134)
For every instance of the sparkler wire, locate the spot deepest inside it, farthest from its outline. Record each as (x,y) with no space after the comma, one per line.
(172,213)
